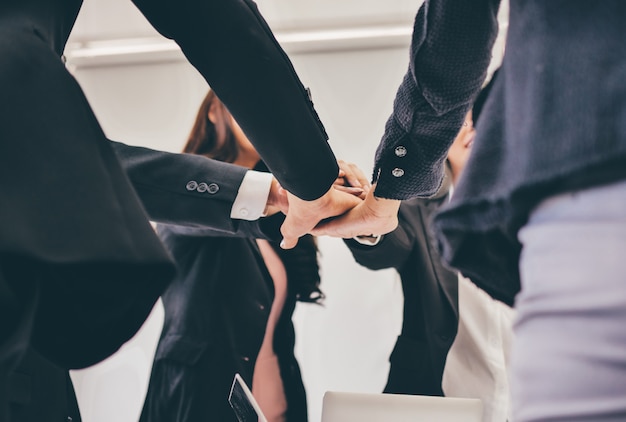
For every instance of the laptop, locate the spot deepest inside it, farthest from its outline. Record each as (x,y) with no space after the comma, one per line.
(366,407)
(243,403)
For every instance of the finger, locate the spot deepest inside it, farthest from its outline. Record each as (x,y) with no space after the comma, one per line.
(358,174)
(353,178)
(340,181)
(290,234)
(349,189)
(349,173)
(289,243)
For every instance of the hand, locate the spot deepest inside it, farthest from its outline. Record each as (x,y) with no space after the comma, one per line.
(373,216)
(351,175)
(277,200)
(303,216)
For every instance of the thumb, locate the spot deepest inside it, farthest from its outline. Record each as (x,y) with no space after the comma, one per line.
(289,243)
(290,233)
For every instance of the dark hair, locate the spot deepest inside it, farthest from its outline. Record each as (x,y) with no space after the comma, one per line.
(217,141)
(213,140)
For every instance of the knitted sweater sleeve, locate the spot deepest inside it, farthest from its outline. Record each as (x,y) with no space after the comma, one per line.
(450,53)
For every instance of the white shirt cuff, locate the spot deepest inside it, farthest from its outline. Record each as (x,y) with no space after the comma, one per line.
(368,240)
(252,196)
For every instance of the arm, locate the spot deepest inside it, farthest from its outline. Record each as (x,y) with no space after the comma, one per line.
(264,228)
(450,53)
(235,51)
(390,252)
(232,46)
(167,185)
(394,248)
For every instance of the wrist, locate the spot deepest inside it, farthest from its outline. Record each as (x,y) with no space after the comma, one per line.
(276,199)
(382,206)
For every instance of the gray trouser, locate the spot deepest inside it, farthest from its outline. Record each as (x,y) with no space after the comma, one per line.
(569,353)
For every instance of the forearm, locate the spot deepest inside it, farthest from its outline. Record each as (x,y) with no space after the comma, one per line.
(233,48)
(263,228)
(450,53)
(169,186)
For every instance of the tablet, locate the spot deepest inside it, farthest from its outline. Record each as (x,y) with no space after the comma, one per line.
(243,403)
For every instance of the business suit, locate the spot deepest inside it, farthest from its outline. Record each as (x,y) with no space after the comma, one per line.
(73,233)
(34,33)
(39,387)
(41,391)
(430,314)
(216,313)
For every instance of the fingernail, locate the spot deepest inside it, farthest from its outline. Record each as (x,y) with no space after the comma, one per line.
(282,244)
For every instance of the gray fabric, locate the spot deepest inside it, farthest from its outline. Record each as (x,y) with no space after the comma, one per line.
(555,121)
(569,359)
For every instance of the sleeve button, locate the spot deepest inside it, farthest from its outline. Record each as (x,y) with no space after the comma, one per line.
(213,188)
(202,187)
(192,185)
(400,151)
(397,172)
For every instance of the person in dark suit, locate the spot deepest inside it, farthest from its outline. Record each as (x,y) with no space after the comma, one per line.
(537,217)
(455,338)
(229,308)
(430,290)
(81,266)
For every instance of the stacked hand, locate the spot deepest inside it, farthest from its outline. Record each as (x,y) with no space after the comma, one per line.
(372,216)
(348,209)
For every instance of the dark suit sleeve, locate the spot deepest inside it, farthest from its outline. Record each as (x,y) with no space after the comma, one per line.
(391,252)
(263,228)
(169,186)
(233,48)
(450,53)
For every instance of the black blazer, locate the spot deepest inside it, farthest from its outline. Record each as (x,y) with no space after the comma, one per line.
(38,391)
(430,316)
(38,386)
(216,313)
(71,223)
(75,242)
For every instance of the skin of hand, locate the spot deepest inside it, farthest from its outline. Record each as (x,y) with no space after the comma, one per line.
(351,175)
(277,200)
(350,180)
(303,215)
(373,216)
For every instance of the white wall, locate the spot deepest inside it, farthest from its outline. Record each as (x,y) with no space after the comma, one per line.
(352,54)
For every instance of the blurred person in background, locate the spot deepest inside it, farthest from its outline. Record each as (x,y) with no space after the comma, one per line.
(230,305)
